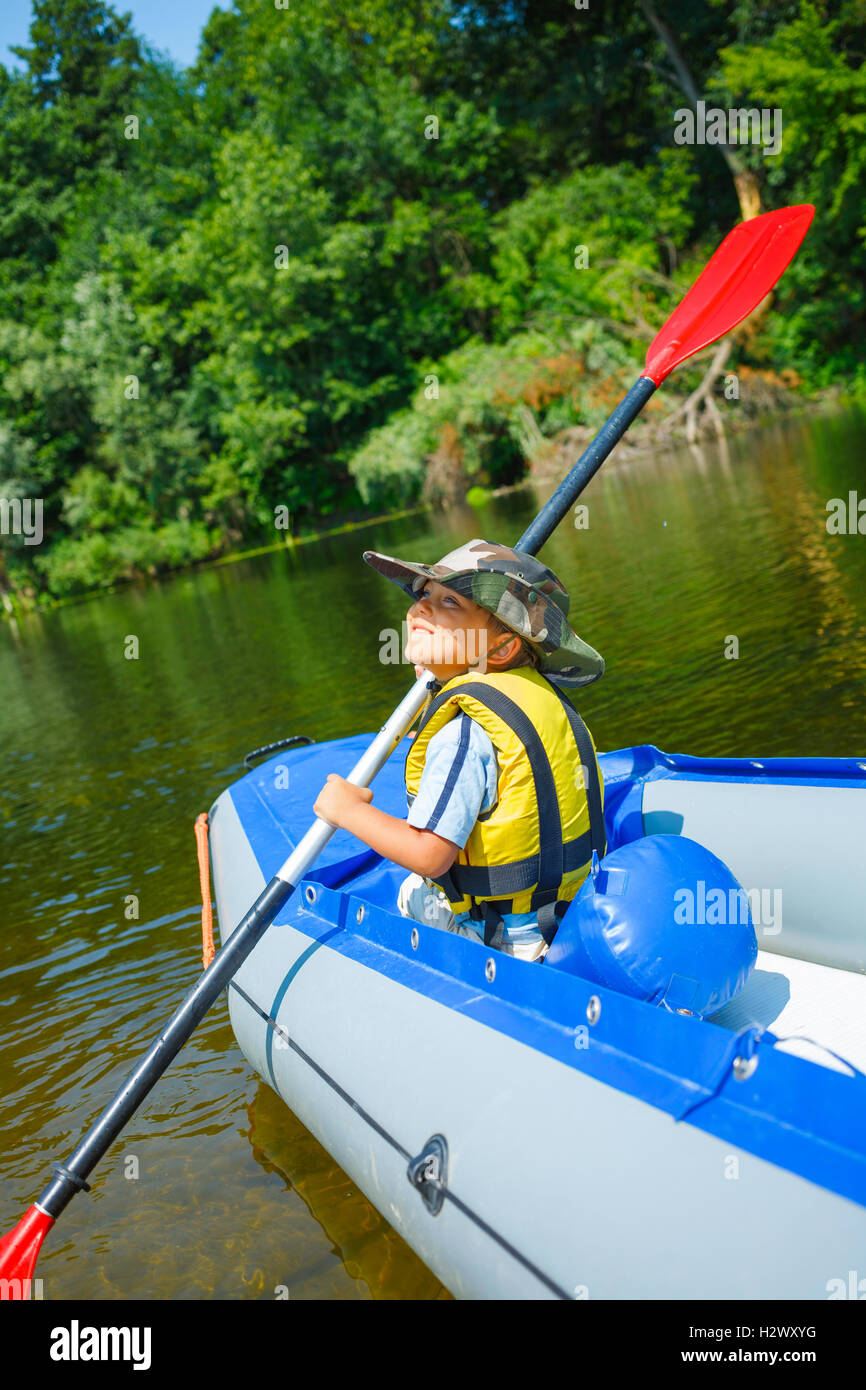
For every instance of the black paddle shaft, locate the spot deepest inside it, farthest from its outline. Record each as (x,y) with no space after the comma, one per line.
(572,485)
(70,1178)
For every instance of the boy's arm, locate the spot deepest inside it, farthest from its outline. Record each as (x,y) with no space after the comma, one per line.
(347,807)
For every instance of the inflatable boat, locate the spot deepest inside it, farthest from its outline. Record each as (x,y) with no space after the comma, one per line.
(566,1128)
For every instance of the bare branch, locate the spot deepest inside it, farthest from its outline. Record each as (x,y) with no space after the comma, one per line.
(644,272)
(688,407)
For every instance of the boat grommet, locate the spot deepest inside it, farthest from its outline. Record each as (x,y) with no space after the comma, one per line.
(428,1173)
(744,1067)
(593,1009)
(359,915)
(310,893)
(490,970)
(414,938)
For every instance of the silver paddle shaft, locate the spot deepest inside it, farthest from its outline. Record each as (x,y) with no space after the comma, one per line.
(370,762)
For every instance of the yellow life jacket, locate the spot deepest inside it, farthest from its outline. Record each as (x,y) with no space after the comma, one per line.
(533,849)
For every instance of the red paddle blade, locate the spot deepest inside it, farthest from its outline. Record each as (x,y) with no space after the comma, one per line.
(19,1252)
(744,269)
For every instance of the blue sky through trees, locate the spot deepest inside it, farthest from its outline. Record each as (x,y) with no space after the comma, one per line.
(171,25)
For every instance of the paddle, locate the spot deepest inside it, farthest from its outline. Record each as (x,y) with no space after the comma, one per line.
(743,270)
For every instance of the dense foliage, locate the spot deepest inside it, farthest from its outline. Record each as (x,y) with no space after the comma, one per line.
(341,256)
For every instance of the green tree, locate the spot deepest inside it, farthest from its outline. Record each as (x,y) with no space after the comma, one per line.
(812,69)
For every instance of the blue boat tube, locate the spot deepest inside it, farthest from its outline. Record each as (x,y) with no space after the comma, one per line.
(660,919)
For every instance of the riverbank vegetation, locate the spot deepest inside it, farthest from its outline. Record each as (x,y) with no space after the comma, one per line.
(359,256)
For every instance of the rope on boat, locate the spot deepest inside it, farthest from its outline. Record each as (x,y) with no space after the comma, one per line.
(801,1037)
(201,839)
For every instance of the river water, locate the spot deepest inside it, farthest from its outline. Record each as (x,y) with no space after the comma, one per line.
(215,1189)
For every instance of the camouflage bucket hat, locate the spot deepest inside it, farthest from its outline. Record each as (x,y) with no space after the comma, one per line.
(518,590)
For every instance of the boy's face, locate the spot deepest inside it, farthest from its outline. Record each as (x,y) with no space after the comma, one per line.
(449,634)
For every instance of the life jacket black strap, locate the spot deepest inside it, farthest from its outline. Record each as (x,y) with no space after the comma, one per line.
(430,709)
(507,880)
(492,915)
(591,773)
(543,871)
(494,927)
(549,918)
(550,853)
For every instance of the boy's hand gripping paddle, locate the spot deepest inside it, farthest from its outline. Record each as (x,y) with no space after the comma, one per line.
(743,270)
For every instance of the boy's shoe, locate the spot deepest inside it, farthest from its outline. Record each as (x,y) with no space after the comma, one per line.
(424,902)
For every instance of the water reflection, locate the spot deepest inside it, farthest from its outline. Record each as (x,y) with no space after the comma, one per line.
(370,1251)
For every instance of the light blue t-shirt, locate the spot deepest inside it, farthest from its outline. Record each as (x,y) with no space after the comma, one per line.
(459,783)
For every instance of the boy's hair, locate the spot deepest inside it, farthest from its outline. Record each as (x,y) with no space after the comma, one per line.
(526,655)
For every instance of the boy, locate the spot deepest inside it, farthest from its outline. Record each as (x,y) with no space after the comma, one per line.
(504,788)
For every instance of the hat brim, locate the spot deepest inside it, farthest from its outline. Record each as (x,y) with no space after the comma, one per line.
(406,575)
